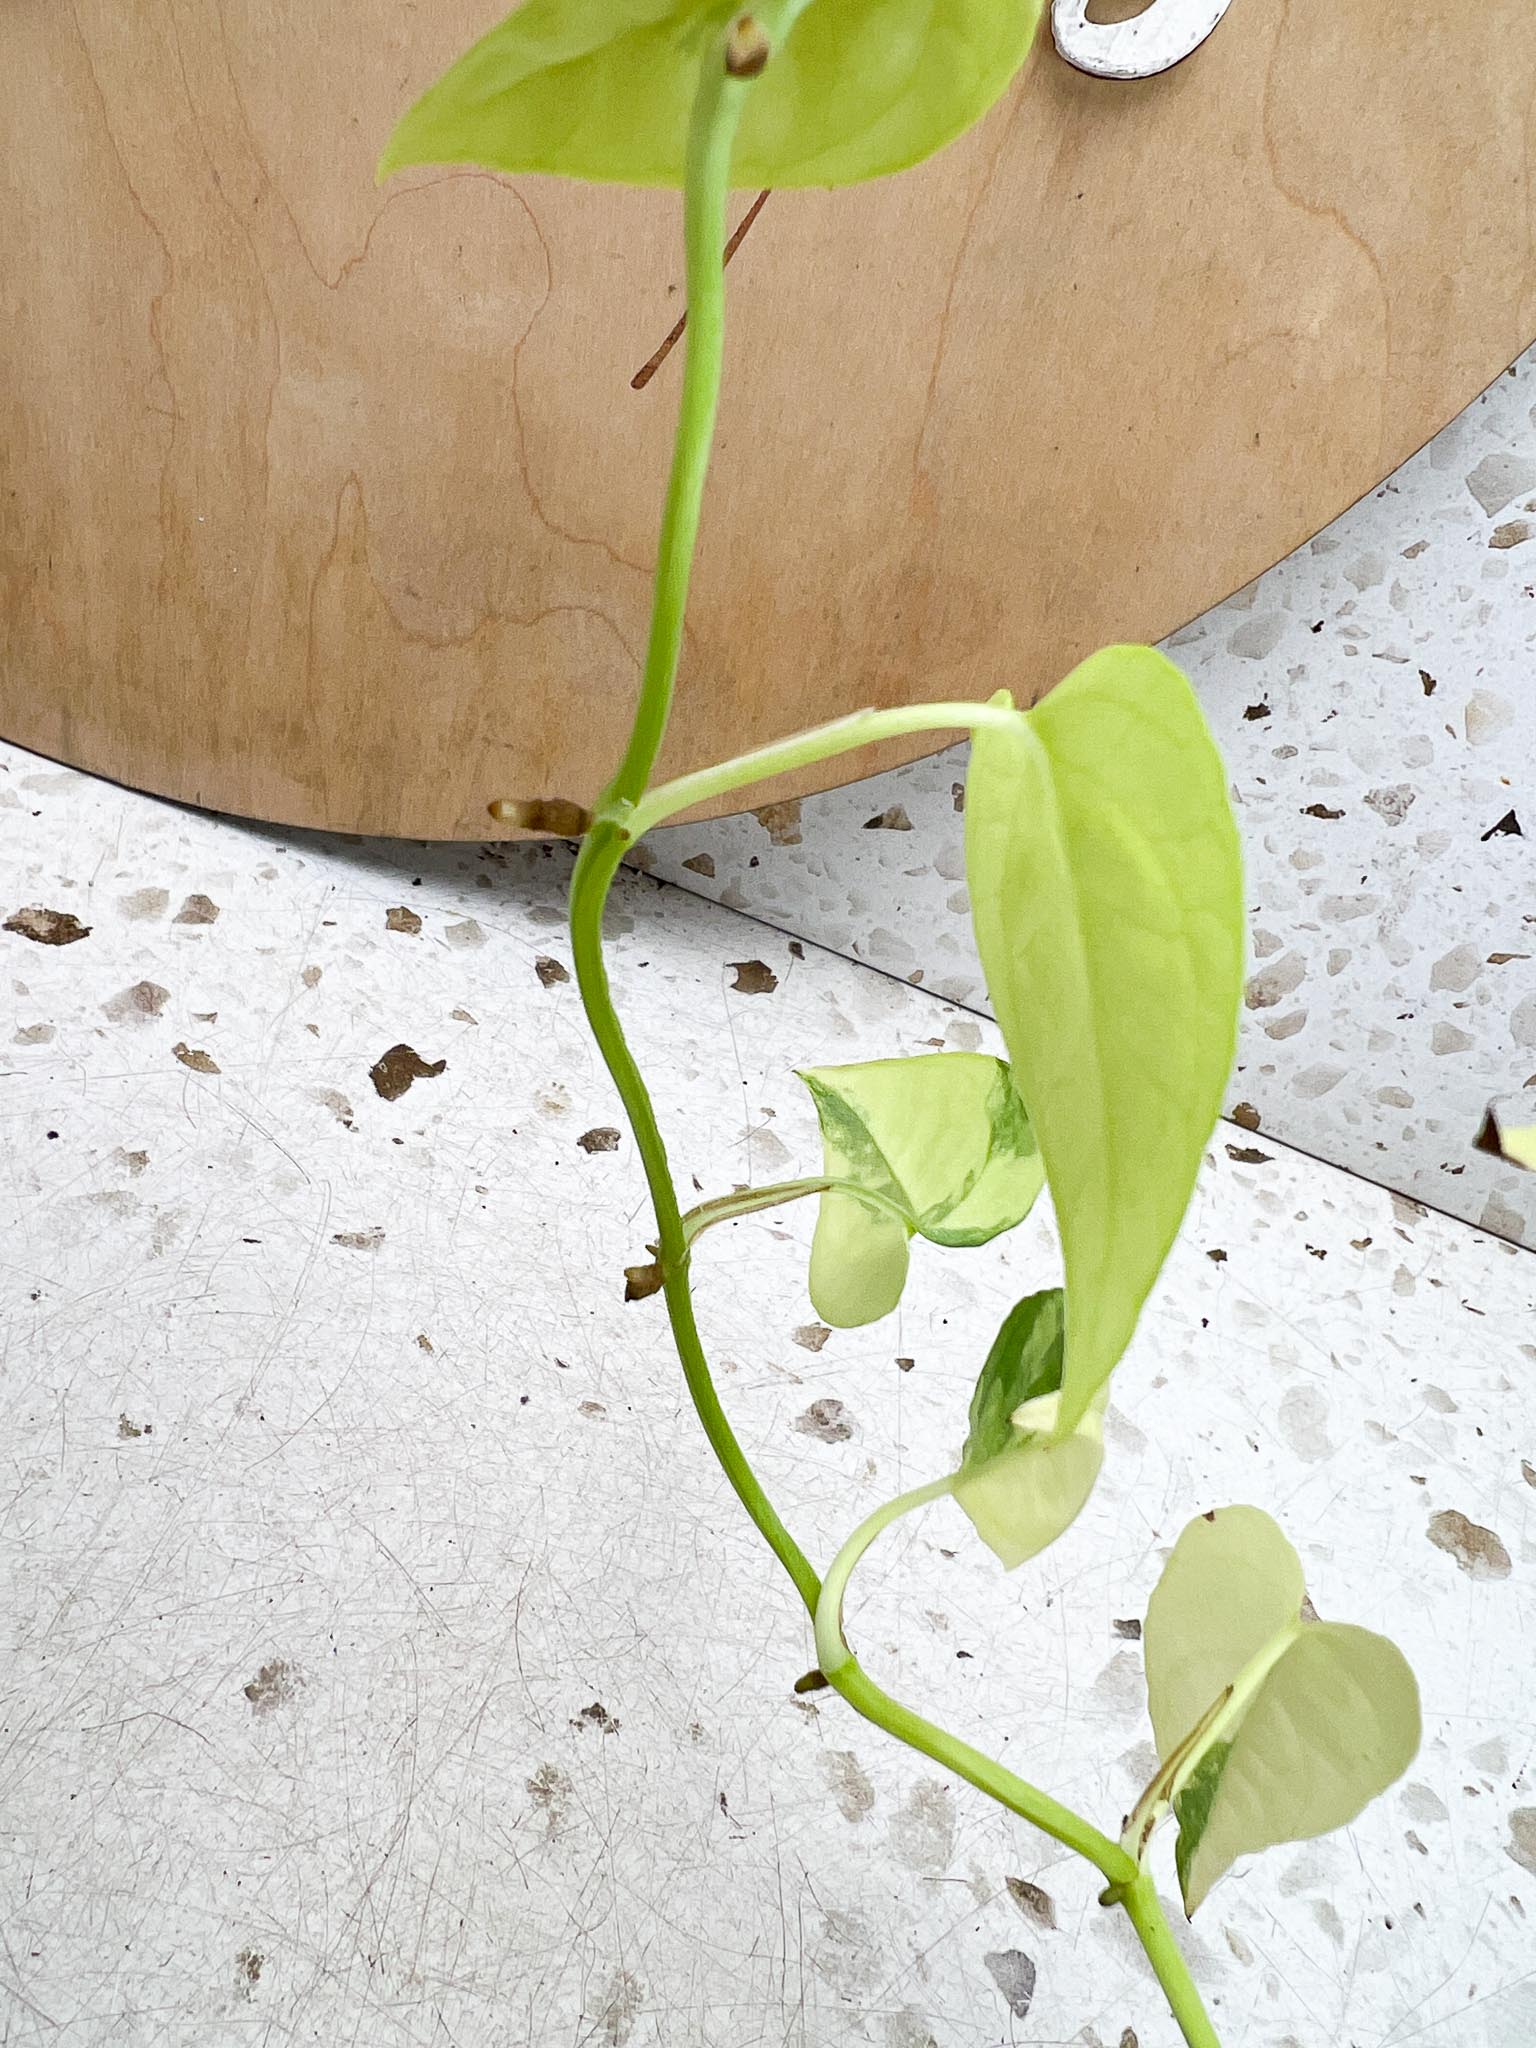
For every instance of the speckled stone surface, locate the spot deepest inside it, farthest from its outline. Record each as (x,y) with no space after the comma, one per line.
(387,1663)
(1375,697)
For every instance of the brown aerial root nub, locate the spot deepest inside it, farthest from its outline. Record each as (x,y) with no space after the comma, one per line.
(746,47)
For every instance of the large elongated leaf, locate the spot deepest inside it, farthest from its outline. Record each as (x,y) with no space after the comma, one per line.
(602,88)
(1106,891)
(1232,1583)
(943,1140)
(1273,1728)
(1020,1484)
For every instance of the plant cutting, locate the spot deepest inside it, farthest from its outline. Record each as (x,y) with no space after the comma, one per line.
(1105,883)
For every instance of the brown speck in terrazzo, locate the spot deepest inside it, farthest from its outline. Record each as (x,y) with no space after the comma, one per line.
(402,919)
(1246,1116)
(393,1072)
(781,821)
(360,1240)
(1129,1630)
(1521,1846)
(1319,811)
(1507,827)
(1032,1900)
(424,1343)
(906,1364)
(133,1005)
(1528,1472)
(753,978)
(47,927)
(826,1420)
(1249,1155)
(33,1034)
(811,1336)
(1253,711)
(1479,1551)
(1513,533)
(248,1966)
(550,971)
(337,1103)
(194,1057)
(310,976)
(893,820)
(1014,1975)
(602,1138)
(128,1429)
(1217,1256)
(701,864)
(197,909)
(140,904)
(273,1686)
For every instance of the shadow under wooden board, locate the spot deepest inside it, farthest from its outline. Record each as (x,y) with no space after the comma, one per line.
(336,507)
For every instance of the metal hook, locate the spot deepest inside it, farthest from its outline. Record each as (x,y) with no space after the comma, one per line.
(1163,35)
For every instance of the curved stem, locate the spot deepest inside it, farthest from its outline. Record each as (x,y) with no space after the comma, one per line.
(801,749)
(744,1201)
(717,111)
(843,1670)
(1145,1912)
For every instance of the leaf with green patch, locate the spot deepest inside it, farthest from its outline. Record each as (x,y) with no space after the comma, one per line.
(1020,1484)
(1272,1728)
(1106,893)
(602,89)
(942,1145)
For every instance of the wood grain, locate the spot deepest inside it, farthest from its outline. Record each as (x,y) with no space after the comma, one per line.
(336,507)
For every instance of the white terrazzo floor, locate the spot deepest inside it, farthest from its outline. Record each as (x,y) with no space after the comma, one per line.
(386,1662)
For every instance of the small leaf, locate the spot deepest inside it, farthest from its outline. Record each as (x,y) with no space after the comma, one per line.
(1231,1584)
(1106,892)
(1020,1484)
(1335,1722)
(942,1143)
(1271,1727)
(603,88)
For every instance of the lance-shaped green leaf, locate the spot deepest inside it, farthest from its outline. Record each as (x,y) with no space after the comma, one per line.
(1272,1728)
(1106,892)
(602,89)
(942,1143)
(1020,1484)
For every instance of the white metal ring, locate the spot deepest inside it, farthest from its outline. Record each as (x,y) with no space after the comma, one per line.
(1163,35)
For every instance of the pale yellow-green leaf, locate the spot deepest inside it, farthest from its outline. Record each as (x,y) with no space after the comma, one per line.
(1106,893)
(1335,1722)
(942,1142)
(1232,1582)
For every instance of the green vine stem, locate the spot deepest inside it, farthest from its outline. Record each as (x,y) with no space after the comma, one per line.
(1128,1885)
(623,813)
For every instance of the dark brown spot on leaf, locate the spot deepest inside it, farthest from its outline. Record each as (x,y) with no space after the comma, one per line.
(198,909)
(754,978)
(602,1138)
(47,927)
(194,1057)
(402,919)
(394,1071)
(550,971)
(1477,1550)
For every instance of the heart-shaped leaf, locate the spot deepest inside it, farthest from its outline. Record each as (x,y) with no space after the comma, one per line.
(1106,892)
(602,88)
(1273,1728)
(1020,1484)
(942,1143)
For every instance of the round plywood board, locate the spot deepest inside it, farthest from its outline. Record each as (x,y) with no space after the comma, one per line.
(336,507)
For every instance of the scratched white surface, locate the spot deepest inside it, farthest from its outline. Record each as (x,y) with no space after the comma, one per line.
(387,1664)
(1373,696)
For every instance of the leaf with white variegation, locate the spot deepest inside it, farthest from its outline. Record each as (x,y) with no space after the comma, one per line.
(943,1146)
